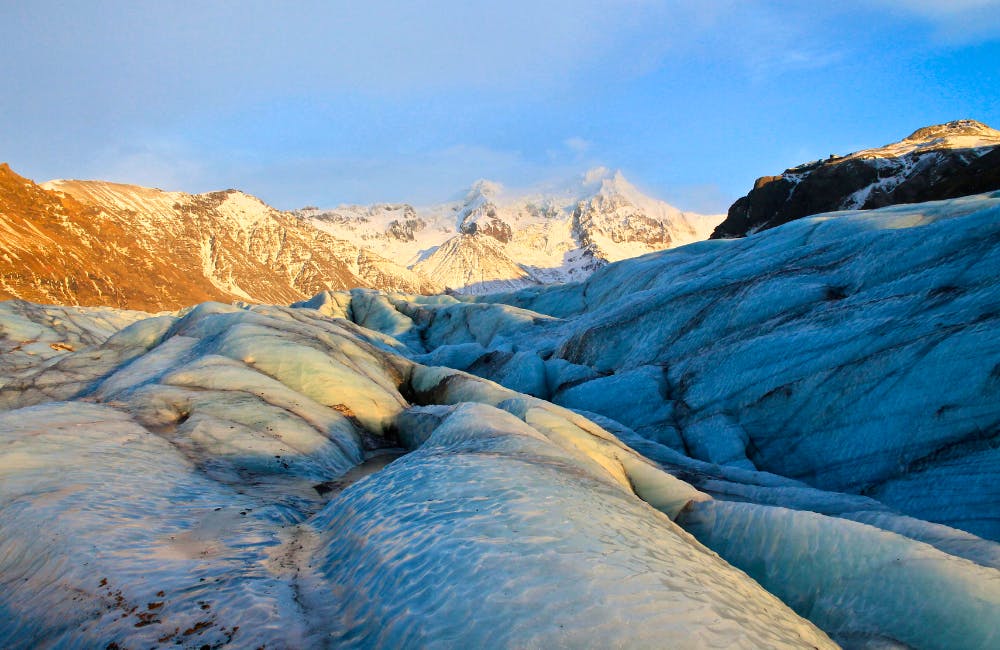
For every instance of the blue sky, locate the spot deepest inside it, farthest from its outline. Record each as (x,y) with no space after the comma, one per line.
(331,102)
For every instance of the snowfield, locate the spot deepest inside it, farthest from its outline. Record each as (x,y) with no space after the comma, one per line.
(788,440)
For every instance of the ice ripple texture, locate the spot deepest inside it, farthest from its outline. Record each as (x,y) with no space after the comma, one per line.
(772,437)
(186,485)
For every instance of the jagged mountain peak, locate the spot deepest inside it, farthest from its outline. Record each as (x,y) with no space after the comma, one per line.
(601,181)
(593,182)
(605,179)
(481,197)
(618,186)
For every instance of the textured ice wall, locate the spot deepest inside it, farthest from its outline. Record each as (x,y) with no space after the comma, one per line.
(860,584)
(183,482)
(490,536)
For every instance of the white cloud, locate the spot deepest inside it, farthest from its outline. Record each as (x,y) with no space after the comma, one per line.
(577,145)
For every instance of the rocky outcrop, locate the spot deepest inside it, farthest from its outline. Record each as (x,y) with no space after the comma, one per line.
(489,226)
(481,215)
(404,230)
(933,163)
(619,220)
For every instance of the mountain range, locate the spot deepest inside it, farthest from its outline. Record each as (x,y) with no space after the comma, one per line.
(493,239)
(100,243)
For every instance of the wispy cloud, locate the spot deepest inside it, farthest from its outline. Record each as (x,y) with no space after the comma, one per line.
(954,21)
(577,145)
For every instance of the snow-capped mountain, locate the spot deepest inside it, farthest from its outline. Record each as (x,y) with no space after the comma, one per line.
(782,441)
(936,162)
(495,238)
(98,243)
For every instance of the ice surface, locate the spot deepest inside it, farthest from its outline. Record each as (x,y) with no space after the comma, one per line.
(196,489)
(857,582)
(32,334)
(111,535)
(490,536)
(818,404)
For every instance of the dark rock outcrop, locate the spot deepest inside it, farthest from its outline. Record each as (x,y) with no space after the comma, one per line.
(933,163)
(484,220)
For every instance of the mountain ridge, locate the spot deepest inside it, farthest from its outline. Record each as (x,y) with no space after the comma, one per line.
(165,249)
(98,243)
(941,161)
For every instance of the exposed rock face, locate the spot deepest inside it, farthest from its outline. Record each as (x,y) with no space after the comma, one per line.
(480,215)
(95,243)
(404,230)
(52,251)
(619,220)
(936,162)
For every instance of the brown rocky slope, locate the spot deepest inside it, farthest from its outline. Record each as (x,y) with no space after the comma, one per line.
(97,243)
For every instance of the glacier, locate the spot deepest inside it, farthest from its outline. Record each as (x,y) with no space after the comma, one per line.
(788,440)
